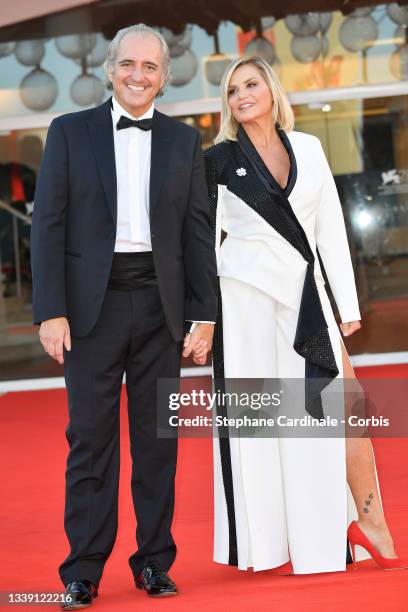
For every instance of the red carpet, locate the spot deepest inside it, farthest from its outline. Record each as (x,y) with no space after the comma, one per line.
(33,541)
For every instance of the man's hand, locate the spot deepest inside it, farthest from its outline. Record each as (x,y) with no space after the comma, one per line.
(199,342)
(54,335)
(350,327)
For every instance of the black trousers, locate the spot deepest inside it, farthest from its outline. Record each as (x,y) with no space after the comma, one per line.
(130,336)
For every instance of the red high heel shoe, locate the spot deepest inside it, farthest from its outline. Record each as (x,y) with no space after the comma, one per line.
(356,536)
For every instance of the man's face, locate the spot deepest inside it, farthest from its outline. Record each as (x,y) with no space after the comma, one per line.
(137,74)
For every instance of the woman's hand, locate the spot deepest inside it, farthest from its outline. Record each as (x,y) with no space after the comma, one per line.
(199,342)
(350,327)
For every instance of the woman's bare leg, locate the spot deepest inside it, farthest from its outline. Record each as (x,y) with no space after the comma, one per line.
(363,484)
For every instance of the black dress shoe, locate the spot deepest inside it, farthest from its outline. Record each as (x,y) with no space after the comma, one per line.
(155,581)
(79,594)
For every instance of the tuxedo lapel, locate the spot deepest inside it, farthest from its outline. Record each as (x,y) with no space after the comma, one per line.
(101,133)
(161,147)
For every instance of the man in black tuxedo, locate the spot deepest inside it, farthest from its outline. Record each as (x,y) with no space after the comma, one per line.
(122,256)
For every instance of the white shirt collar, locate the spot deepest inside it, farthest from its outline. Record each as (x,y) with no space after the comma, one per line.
(118,110)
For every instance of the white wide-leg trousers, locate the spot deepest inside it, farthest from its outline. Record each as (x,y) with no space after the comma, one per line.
(290,494)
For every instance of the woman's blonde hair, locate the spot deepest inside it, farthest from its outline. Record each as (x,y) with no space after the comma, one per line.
(282,112)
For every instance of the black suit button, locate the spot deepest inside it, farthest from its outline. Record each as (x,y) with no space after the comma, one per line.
(153,235)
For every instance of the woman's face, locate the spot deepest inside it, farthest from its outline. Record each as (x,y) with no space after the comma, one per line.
(249,97)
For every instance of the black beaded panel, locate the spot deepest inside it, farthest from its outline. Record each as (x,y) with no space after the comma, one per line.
(215,162)
(318,349)
(312,340)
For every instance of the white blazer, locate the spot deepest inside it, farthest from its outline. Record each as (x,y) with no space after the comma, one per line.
(255,253)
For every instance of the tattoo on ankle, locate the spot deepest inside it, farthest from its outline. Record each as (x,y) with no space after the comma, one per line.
(368,502)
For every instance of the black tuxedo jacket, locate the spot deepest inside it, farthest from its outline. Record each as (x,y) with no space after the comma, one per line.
(74,221)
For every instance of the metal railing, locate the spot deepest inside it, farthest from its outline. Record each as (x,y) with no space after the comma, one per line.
(16,214)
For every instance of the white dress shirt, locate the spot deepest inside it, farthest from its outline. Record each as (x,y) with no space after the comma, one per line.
(133,149)
(132,156)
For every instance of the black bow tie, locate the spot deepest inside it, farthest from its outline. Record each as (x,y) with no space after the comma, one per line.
(142,124)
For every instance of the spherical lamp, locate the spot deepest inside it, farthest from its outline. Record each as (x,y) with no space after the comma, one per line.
(75,46)
(7,48)
(87,89)
(325,21)
(306,48)
(184,43)
(183,68)
(170,37)
(358,33)
(215,66)
(303,25)
(38,90)
(29,52)
(98,54)
(398,13)
(267,23)
(262,48)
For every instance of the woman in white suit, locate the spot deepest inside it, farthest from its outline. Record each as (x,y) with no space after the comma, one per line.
(274,196)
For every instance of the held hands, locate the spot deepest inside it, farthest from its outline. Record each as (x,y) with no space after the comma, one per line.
(199,342)
(54,335)
(350,327)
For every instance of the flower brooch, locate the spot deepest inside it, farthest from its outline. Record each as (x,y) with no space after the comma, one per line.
(241,171)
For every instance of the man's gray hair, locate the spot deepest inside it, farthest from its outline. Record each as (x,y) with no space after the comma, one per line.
(144,30)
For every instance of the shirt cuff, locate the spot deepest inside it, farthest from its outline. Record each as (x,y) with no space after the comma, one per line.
(194,324)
